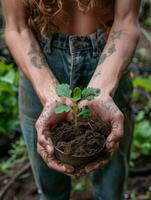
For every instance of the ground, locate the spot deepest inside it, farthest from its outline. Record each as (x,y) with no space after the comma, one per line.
(23,188)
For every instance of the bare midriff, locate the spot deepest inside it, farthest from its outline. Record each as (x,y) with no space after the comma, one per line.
(79,23)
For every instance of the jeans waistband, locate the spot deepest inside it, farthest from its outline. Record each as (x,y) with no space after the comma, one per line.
(94,42)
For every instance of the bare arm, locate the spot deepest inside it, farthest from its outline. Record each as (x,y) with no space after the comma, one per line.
(119,48)
(30,59)
(26,51)
(113,62)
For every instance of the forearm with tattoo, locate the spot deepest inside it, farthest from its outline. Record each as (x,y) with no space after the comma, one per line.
(37,58)
(39,61)
(111,49)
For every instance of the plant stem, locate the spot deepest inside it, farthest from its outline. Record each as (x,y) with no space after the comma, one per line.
(75,111)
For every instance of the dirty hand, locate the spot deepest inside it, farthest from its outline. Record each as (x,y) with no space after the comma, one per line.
(104,108)
(47,120)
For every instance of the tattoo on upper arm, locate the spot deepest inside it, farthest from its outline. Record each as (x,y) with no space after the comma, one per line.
(115,35)
(37,58)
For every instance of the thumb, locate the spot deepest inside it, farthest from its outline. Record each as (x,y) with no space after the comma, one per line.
(69,116)
(68,102)
(83,104)
(55,119)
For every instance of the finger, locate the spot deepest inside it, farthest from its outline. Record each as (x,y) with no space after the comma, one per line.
(91,167)
(68,102)
(117,130)
(52,162)
(94,115)
(45,117)
(68,168)
(79,173)
(95,165)
(42,133)
(83,104)
(112,146)
(43,153)
(58,166)
(50,149)
(48,117)
(49,146)
(69,116)
(98,164)
(42,140)
(70,174)
(55,119)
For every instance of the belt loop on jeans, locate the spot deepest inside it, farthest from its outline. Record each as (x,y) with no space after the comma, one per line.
(94,42)
(48,43)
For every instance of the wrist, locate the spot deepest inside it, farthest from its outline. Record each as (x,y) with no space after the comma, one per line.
(107,87)
(108,91)
(47,94)
(47,99)
(105,90)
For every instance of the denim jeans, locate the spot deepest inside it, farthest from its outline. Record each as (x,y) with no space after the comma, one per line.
(73,60)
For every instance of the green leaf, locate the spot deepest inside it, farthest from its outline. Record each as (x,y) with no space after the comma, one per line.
(144,83)
(136,96)
(140,116)
(142,130)
(90,98)
(13,123)
(90,93)
(60,108)
(141,52)
(9,77)
(148,22)
(84,112)
(63,90)
(76,94)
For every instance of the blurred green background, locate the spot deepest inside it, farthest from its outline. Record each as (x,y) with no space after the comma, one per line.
(12,148)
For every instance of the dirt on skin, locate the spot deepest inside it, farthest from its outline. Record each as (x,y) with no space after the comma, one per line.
(86,140)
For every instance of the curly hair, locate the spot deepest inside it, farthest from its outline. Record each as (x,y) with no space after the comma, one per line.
(41,14)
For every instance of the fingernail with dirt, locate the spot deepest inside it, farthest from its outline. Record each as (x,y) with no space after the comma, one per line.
(110,145)
(88,169)
(49,149)
(109,139)
(69,169)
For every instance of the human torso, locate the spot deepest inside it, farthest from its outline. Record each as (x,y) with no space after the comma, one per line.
(80,23)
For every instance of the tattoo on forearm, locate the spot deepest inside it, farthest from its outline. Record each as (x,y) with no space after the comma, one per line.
(115,35)
(37,59)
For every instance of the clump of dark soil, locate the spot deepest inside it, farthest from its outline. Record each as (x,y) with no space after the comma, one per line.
(88,139)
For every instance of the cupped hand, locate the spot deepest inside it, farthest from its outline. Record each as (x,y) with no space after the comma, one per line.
(48,120)
(104,108)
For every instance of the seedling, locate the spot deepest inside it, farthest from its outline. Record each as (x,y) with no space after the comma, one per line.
(76,96)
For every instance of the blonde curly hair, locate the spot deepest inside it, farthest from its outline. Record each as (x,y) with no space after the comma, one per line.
(41,13)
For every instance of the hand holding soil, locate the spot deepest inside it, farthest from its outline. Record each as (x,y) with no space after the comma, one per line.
(104,108)
(83,140)
(48,120)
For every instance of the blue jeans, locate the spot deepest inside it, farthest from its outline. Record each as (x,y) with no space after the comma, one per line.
(73,60)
